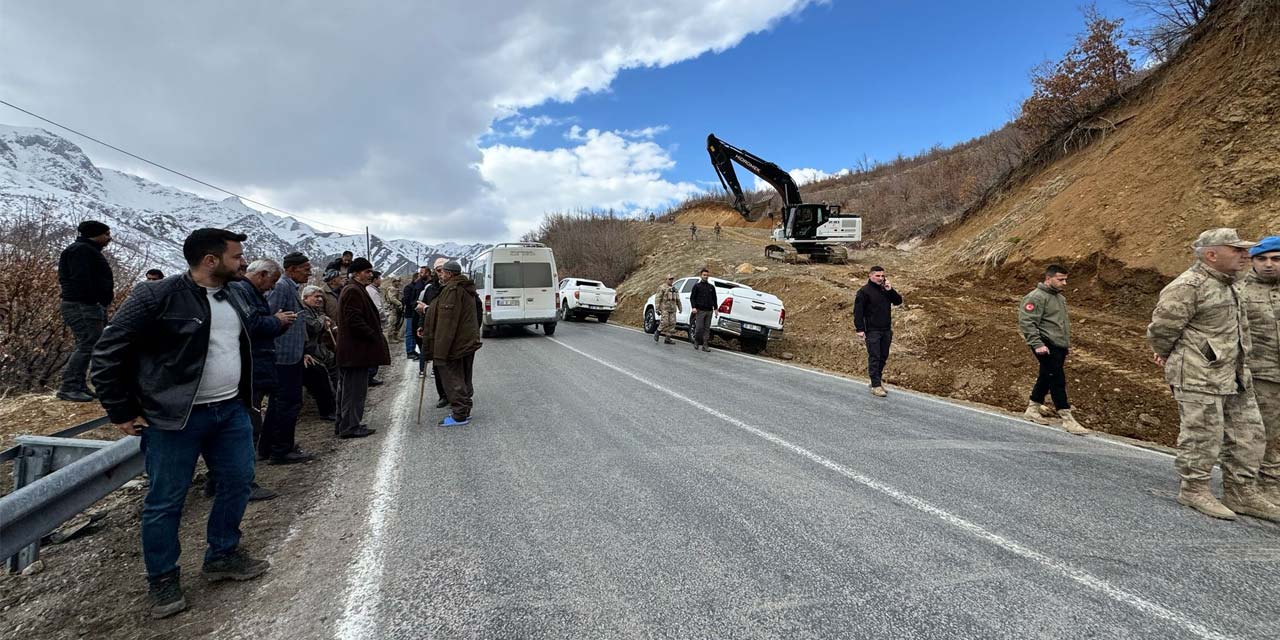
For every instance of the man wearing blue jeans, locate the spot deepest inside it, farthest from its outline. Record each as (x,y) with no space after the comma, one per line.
(174,366)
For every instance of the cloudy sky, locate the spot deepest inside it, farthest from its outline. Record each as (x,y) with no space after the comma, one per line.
(467,120)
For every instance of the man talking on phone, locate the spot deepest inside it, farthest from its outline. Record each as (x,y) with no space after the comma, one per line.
(873,320)
(175,366)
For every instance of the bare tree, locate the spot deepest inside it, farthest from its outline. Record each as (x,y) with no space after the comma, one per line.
(1173,21)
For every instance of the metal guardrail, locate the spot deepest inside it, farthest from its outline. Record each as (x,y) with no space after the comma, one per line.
(56,477)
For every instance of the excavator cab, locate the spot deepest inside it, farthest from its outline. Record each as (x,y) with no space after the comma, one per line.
(802,220)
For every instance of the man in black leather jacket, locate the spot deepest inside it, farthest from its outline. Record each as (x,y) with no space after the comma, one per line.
(175,366)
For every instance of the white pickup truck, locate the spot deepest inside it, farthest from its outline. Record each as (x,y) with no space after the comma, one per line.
(580,298)
(751,317)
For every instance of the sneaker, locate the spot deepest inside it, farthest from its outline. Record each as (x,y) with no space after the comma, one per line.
(259,492)
(74,396)
(166,596)
(422,373)
(442,404)
(374,382)
(293,457)
(358,432)
(234,566)
(449,421)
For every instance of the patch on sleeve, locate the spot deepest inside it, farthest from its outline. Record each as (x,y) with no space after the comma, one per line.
(1030,306)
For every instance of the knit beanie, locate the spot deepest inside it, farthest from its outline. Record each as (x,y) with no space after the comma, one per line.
(92,228)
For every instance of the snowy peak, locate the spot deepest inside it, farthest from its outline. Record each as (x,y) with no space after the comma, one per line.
(47,174)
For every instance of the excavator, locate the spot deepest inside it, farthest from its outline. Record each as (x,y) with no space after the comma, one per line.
(809,231)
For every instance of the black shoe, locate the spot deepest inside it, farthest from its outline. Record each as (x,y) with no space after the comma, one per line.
(259,492)
(234,566)
(293,457)
(655,336)
(411,356)
(669,341)
(165,594)
(374,382)
(706,348)
(74,396)
(442,404)
(358,432)
(329,417)
(422,373)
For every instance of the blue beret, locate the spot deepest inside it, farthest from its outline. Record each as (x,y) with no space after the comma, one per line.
(1266,245)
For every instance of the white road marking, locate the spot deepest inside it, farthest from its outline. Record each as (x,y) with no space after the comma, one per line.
(364,582)
(1057,566)
(1095,436)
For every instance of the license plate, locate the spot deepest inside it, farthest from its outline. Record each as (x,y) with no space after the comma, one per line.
(511,302)
(747,326)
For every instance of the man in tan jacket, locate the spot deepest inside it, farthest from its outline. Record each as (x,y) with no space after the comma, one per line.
(1262,304)
(1199,333)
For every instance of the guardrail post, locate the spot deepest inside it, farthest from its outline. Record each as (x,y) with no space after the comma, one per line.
(39,456)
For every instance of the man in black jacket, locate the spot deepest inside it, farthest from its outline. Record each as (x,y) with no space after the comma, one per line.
(873,320)
(408,300)
(175,366)
(703,300)
(88,287)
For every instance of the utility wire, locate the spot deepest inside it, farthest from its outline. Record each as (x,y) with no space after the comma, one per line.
(175,171)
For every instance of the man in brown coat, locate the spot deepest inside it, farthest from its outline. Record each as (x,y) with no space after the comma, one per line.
(361,345)
(453,329)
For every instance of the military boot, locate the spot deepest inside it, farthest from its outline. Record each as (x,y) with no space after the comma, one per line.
(1069,422)
(1033,413)
(1270,488)
(1250,501)
(1197,496)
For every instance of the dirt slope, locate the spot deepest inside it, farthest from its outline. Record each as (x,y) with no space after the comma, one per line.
(1194,146)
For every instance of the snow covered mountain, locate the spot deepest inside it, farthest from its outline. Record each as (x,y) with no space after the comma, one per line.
(43,174)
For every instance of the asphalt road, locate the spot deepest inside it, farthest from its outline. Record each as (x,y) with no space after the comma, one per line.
(611,487)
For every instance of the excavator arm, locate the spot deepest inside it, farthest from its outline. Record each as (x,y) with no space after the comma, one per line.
(723,155)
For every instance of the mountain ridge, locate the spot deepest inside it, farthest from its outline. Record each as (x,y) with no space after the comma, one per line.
(46,175)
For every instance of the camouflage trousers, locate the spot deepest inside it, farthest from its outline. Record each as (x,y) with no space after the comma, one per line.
(1268,395)
(1214,426)
(667,325)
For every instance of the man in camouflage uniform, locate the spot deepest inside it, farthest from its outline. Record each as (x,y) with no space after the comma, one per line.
(667,301)
(1262,304)
(1043,321)
(1199,333)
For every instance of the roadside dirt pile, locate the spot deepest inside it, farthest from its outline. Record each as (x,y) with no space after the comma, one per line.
(1192,146)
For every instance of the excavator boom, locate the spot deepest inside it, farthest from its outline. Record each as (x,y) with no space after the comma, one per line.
(723,155)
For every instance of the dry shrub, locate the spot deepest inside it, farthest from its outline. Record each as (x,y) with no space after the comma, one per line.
(591,244)
(34,341)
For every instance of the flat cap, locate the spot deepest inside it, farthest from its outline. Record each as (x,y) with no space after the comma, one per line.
(1222,237)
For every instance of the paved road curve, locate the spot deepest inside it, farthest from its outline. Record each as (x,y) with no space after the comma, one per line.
(611,487)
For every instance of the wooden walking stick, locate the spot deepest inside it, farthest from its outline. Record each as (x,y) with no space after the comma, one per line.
(422,386)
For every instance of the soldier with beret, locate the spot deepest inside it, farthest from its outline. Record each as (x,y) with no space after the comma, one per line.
(1262,305)
(1199,333)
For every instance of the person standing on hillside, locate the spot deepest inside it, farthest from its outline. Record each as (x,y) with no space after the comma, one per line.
(717,230)
(280,425)
(873,320)
(453,324)
(88,287)
(703,301)
(175,367)
(1045,327)
(361,346)
(693,231)
(667,300)
(1199,333)
(1262,305)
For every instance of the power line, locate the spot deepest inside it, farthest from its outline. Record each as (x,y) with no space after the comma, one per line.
(174,171)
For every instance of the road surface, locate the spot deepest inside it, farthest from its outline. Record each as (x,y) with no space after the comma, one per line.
(611,487)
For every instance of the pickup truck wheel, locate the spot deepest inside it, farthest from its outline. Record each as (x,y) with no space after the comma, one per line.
(650,321)
(549,328)
(564,311)
(753,345)
(603,318)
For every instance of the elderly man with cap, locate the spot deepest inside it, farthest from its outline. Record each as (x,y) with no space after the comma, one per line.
(279,426)
(667,300)
(1199,333)
(88,287)
(333,282)
(361,345)
(1262,305)
(452,338)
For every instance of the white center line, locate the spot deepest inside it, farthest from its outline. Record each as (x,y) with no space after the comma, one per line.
(1057,566)
(360,614)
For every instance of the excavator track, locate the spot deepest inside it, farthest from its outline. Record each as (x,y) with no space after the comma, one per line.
(790,254)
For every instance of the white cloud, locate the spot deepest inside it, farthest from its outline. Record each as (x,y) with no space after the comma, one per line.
(605,170)
(359,108)
(803,176)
